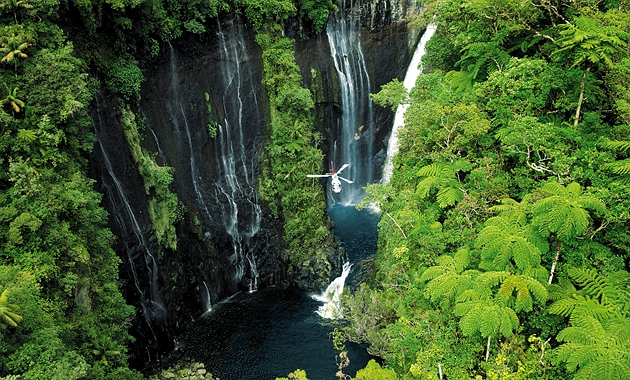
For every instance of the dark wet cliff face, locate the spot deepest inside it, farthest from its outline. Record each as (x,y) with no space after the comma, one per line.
(226,241)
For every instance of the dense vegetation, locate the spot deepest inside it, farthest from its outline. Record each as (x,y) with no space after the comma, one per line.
(505,250)
(62,313)
(504,253)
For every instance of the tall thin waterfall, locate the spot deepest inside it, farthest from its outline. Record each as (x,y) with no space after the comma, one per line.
(236,187)
(353,142)
(413,71)
(136,243)
(176,110)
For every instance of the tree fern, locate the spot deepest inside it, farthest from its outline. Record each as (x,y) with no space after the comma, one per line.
(504,241)
(613,289)
(620,167)
(440,176)
(527,289)
(596,345)
(595,350)
(487,318)
(564,211)
(515,210)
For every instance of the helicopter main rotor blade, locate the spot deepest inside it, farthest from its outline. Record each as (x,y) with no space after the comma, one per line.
(343,167)
(317,175)
(347,180)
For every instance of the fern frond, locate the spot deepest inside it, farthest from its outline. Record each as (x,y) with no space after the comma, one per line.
(424,187)
(591,308)
(592,283)
(565,306)
(433,272)
(461,259)
(581,334)
(621,167)
(563,289)
(449,196)
(618,145)
(553,188)
(491,279)
(436,170)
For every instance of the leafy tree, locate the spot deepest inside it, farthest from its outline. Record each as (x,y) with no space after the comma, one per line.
(8,317)
(619,167)
(12,100)
(373,371)
(298,374)
(591,43)
(444,177)
(15,5)
(14,40)
(564,212)
(596,344)
(124,78)
(508,241)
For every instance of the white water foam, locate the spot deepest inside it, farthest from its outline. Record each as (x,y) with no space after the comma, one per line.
(331,309)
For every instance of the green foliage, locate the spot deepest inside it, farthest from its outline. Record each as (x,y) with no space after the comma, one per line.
(298,374)
(212,125)
(503,240)
(442,176)
(492,156)
(8,316)
(316,11)
(564,211)
(124,79)
(392,95)
(596,343)
(290,154)
(373,371)
(266,13)
(591,42)
(165,209)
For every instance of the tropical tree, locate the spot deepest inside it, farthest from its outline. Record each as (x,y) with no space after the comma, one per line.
(15,5)
(8,317)
(12,100)
(14,40)
(505,241)
(596,345)
(483,300)
(564,213)
(444,178)
(620,167)
(592,44)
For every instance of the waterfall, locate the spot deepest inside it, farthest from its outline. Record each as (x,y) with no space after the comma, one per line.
(353,138)
(207,298)
(152,305)
(236,187)
(178,116)
(331,309)
(413,71)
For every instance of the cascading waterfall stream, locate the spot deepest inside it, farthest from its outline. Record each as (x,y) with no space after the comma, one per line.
(153,305)
(178,116)
(353,138)
(413,71)
(331,297)
(236,176)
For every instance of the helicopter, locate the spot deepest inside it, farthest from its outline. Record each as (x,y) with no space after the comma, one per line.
(336,183)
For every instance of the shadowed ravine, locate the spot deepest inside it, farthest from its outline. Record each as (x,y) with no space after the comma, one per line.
(272,332)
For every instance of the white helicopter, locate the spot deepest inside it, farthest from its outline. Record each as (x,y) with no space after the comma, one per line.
(336,183)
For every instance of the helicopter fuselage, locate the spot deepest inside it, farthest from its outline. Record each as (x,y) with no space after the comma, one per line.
(336,184)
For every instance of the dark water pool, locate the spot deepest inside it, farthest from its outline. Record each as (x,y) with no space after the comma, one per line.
(272,332)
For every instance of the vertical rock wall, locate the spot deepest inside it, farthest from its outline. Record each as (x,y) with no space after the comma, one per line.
(209,263)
